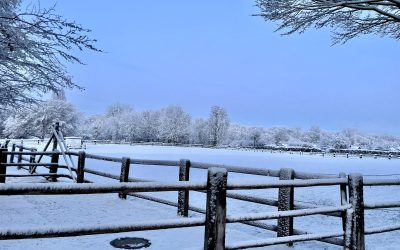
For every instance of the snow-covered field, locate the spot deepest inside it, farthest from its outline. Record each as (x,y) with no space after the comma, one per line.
(33,211)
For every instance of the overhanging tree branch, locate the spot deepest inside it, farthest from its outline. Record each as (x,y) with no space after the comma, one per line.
(35,44)
(348,19)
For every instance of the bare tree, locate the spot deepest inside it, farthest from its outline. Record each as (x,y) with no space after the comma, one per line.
(149,124)
(348,19)
(199,132)
(174,125)
(218,123)
(35,43)
(255,135)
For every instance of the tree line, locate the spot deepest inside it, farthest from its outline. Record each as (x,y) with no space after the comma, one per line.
(173,124)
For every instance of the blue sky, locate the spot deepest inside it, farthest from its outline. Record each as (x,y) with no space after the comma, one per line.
(202,53)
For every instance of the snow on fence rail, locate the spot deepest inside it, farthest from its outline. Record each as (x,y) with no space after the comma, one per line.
(215,221)
(351,189)
(50,232)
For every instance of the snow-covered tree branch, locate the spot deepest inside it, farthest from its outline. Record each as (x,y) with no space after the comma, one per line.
(218,123)
(36,120)
(34,46)
(348,19)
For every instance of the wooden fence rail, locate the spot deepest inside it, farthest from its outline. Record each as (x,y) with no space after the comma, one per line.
(214,222)
(217,188)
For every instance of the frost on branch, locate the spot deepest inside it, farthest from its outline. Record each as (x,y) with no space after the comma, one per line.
(348,19)
(34,45)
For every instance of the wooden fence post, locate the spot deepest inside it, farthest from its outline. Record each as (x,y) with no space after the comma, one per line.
(53,169)
(80,172)
(12,151)
(3,169)
(354,231)
(343,199)
(214,237)
(285,203)
(20,156)
(183,196)
(124,174)
(55,157)
(55,141)
(32,160)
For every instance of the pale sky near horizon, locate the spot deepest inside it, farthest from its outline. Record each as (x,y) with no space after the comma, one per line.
(202,53)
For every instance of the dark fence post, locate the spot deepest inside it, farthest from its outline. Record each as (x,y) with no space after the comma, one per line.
(32,160)
(55,157)
(124,174)
(3,169)
(214,238)
(285,203)
(54,168)
(55,142)
(12,151)
(354,231)
(80,172)
(343,198)
(183,196)
(20,156)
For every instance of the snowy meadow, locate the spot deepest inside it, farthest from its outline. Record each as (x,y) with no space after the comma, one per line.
(108,208)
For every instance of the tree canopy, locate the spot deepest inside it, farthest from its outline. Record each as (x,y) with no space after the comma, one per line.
(348,19)
(218,123)
(37,120)
(35,44)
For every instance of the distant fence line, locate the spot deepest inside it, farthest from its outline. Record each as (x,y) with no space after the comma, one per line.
(259,147)
(360,153)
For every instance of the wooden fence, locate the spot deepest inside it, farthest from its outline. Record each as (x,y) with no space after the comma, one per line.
(218,190)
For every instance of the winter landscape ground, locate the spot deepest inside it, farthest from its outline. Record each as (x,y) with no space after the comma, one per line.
(37,211)
(217,79)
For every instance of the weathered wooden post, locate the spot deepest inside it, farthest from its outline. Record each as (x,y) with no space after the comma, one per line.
(55,157)
(32,160)
(12,151)
(124,174)
(354,231)
(80,171)
(55,141)
(3,168)
(20,150)
(214,238)
(343,198)
(54,168)
(183,196)
(285,203)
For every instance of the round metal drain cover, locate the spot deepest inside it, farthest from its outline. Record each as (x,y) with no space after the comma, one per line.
(130,243)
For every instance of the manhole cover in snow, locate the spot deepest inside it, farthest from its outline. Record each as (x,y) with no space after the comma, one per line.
(130,243)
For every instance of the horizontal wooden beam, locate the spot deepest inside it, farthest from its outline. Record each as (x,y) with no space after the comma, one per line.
(89,188)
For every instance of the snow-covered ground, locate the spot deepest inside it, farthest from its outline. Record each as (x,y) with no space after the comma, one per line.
(23,211)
